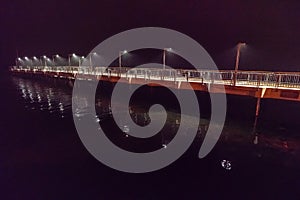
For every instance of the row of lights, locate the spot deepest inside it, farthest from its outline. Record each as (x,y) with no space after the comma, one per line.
(45,58)
(239,46)
(121,53)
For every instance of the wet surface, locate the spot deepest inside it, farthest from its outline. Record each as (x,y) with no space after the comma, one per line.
(42,156)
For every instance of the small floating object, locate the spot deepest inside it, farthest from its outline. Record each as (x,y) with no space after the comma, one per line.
(255,140)
(285,145)
(226,164)
(164,146)
(126,129)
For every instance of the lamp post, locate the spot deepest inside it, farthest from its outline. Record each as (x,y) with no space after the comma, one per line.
(44,59)
(40,61)
(36,60)
(31,62)
(28,60)
(91,63)
(120,58)
(53,59)
(69,57)
(49,62)
(18,61)
(80,59)
(164,57)
(237,61)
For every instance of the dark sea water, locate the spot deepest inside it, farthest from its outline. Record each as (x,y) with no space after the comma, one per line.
(42,156)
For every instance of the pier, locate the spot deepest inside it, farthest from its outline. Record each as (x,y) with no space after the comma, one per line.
(256,84)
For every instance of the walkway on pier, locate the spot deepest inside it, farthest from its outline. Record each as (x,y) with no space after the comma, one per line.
(259,84)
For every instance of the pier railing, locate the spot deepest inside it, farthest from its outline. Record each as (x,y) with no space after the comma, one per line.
(225,77)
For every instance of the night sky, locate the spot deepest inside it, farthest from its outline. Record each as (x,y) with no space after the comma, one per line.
(270,27)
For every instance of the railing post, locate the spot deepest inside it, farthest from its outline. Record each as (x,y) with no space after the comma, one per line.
(175,75)
(212,77)
(248,78)
(234,78)
(259,79)
(267,78)
(149,74)
(231,78)
(278,80)
(187,76)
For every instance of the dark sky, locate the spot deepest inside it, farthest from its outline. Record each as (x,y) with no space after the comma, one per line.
(271,28)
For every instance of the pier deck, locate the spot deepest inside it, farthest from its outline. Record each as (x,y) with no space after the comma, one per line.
(258,84)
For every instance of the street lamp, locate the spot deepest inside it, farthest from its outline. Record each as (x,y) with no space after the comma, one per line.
(53,59)
(34,58)
(237,61)
(91,63)
(120,58)
(28,60)
(18,61)
(69,56)
(48,59)
(80,59)
(164,56)
(91,58)
(44,59)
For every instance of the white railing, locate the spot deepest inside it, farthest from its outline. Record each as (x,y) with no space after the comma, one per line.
(246,78)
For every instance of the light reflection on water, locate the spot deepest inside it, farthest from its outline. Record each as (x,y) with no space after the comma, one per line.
(254,161)
(43,97)
(56,98)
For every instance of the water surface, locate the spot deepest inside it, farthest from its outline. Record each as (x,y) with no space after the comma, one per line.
(42,156)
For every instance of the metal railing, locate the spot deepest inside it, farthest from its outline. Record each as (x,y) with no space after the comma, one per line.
(225,77)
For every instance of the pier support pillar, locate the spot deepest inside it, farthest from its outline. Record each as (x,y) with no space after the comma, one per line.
(257,111)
